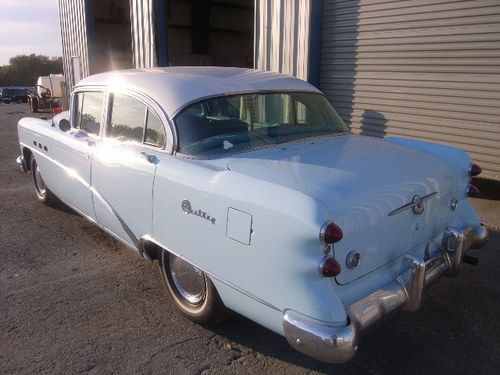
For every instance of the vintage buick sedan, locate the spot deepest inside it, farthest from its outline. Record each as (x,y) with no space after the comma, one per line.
(254,196)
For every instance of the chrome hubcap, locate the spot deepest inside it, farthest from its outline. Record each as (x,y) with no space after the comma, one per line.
(39,184)
(189,281)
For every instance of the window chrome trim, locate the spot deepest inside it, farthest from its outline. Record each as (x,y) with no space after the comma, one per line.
(154,107)
(83,89)
(243,92)
(168,126)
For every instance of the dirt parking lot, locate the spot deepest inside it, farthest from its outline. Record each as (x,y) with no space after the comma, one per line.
(75,301)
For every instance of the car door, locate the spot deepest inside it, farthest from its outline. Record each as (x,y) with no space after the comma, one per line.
(124,166)
(73,150)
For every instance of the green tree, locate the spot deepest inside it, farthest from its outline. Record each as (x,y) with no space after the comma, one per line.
(24,70)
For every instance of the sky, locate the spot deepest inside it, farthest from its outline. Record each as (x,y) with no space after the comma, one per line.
(29,26)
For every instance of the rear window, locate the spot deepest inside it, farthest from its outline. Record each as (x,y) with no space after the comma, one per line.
(236,123)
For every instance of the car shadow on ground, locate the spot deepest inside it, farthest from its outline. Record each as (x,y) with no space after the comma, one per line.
(61,206)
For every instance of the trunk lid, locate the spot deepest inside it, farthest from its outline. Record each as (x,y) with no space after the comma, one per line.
(360,181)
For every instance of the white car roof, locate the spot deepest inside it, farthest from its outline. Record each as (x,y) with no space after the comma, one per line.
(174,87)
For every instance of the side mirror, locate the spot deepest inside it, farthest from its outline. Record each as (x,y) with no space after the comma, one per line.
(64,125)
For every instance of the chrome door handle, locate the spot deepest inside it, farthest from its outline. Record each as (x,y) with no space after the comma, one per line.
(149,157)
(90,142)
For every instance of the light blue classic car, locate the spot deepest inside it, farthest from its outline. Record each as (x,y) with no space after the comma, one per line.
(254,196)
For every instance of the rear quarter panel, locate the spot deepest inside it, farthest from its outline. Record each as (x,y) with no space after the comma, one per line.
(279,267)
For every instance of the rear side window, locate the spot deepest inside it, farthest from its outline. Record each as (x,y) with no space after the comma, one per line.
(89,111)
(155,135)
(127,119)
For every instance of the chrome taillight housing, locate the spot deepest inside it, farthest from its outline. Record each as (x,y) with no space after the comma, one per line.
(474,170)
(472,191)
(330,233)
(329,267)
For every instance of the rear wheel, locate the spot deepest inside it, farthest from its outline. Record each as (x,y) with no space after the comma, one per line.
(192,291)
(43,193)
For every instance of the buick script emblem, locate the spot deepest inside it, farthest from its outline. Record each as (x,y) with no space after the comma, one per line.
(416,205)
(188,209)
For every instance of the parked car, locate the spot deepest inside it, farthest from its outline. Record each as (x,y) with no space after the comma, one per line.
(14,94)
(254,196)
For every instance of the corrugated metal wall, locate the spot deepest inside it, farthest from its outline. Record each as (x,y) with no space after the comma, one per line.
(282,36)
(143,33)
(427,69)
(74,36)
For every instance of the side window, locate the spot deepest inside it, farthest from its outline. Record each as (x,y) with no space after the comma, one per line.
(155,134)
(78,109)
(127,119)
(89,111)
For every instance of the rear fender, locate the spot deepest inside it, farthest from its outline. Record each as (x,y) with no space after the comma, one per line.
(458,159)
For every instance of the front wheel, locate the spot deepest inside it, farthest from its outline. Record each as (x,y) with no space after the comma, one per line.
(43,193)
(192,291)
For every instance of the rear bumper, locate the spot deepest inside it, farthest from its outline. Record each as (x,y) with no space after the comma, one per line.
(21,164)
(339,344)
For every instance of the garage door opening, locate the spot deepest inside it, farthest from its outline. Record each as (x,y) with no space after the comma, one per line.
(210,32)
(111,40)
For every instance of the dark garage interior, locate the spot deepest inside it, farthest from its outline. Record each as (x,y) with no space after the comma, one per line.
(210,32)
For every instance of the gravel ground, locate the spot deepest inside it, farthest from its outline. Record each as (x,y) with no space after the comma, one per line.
(75,301)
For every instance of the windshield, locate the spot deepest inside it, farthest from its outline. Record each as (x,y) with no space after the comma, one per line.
(236,123)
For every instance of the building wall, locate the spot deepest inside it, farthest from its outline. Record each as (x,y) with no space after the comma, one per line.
(142,18)
(282,36)
(74,20)
(422,69)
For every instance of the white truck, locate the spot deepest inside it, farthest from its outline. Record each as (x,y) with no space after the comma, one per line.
(48,95)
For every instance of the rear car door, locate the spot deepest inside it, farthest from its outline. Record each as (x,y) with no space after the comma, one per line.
(73,150)
(124,166)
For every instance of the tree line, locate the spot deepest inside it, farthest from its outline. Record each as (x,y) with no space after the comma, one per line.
(24,70)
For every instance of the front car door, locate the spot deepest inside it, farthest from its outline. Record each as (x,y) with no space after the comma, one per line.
(124,166)
(73,149)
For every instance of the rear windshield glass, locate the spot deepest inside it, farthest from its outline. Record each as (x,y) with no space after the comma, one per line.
(243,122)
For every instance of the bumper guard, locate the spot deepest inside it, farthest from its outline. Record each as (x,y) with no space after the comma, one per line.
(339,344)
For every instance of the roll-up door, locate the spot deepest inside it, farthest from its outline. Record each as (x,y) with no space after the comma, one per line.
(424,69)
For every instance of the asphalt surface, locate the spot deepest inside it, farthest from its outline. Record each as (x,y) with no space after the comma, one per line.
(75,301)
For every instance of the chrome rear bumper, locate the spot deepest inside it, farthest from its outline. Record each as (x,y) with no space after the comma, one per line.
(21,164)
(339,344)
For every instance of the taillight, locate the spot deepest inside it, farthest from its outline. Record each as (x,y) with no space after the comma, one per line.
(474,170)
(473,191)
(329,267)
(330,233)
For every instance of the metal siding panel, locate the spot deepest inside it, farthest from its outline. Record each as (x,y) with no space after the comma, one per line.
(282,36)
(142,20)
(423,69)
(74,29)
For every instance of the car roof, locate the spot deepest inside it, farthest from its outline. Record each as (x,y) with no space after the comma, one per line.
(174,87)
